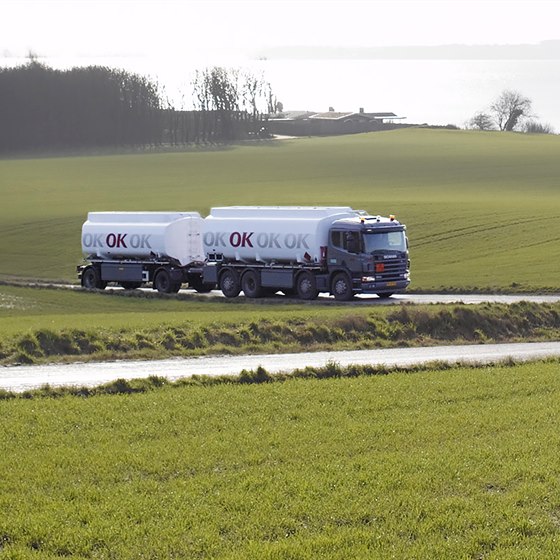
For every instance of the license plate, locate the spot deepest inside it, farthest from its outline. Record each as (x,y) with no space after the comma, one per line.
(391,283)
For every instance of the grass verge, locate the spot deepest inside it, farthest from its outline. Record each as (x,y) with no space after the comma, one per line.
(406,326)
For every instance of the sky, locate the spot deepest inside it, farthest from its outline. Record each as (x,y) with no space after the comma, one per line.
(73,28)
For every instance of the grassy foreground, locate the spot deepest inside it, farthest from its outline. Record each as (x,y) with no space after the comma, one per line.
(443,464)
(481,208)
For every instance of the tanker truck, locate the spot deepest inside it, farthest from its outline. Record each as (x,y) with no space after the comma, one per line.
(304,251)
(258,250)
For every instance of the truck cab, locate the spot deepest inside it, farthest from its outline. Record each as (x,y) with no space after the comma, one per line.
(367,254)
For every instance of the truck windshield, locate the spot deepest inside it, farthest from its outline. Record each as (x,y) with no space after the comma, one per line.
(384,241)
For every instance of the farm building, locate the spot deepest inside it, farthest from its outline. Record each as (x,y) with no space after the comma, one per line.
(309,123)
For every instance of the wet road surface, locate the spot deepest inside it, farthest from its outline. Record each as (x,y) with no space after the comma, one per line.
(21,378)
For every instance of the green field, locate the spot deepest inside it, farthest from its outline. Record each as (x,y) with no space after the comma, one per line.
(458,464)
(481,208)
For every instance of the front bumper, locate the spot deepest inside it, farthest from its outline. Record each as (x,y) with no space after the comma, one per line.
(383,286)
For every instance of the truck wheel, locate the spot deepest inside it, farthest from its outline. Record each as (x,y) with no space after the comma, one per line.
(250,284)
(91,279)
(229,284)
(306,286)
(163,283)
(342,287)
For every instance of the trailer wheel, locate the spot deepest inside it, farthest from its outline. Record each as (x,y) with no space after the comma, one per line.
(306,286)
(163,283)
(229,283)
(251,285)
(342,287)
(91,279)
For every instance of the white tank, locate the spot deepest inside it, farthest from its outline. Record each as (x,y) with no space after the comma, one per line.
(143,235)
(267,234)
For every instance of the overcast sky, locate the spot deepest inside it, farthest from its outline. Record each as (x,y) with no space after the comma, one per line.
(190,27)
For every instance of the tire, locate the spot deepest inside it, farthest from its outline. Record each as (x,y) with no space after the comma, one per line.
(385,295)
(306,286)
(251,284)
(342,287)
(91,279)
(229,283)
(130,285)
(164,284)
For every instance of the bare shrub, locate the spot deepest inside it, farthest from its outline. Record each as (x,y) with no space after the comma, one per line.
(535,127)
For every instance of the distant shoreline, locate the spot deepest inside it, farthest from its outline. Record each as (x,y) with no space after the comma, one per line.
(545,50)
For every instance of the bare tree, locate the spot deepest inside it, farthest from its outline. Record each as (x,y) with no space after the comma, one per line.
(509,109)
(256,92)
(201,90)
(227,98)
(481,121)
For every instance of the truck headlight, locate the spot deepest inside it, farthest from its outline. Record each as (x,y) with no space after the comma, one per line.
(366,279)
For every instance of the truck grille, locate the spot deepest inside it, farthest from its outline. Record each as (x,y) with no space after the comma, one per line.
(390,270)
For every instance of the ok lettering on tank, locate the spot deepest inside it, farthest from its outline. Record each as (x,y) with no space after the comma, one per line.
(262,240)
(117,240)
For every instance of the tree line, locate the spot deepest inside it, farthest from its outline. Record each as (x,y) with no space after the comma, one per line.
(44,108)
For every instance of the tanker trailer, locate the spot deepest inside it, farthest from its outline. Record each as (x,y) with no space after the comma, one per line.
(134,248)
(304,251)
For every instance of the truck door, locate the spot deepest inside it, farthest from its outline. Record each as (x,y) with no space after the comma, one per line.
(345,250)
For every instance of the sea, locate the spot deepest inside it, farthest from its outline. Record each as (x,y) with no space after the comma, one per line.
(420,91)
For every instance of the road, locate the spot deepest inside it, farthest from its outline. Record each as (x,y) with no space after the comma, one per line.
(397,299)
(362,299)
(21,378)
(469,299)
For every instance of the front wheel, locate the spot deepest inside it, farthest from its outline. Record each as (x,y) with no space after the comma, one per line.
(342,287)
(306,286)
(229,284)
(91,279)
